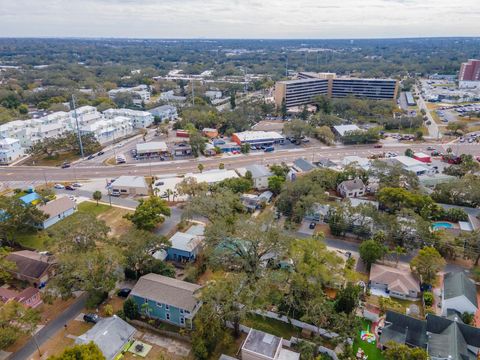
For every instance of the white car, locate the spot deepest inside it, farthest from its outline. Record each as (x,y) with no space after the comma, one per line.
(77,185)
(59,186)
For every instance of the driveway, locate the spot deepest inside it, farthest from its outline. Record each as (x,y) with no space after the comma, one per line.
(118,201)
(49,330)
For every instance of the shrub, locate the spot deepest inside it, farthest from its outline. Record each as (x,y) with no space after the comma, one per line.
(95,298)
(428,298)
(108,310)
(130,309)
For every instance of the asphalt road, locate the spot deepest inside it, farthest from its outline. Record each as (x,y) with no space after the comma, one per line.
(50,330)
(433,128)
(77,173)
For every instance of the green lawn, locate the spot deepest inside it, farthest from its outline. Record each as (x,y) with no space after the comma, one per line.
(271,326)
(370,349)
(40,240)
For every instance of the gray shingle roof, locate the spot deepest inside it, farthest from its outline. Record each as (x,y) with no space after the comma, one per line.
(458,284)
(166,290)
(262,343)
(110,335)
(58,206)
(258,171)
(404,329)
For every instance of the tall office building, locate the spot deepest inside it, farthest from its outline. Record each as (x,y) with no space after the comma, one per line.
(309,85)
(470,71)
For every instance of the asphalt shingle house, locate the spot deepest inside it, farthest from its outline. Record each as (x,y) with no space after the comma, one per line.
(459,294)
(443,338)
(351,188)
(169,300)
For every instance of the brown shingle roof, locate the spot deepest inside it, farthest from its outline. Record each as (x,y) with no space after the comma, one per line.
(57,206)
(166,290)
(29,263)
(398,279)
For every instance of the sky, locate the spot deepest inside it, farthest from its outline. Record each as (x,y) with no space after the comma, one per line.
(321,19)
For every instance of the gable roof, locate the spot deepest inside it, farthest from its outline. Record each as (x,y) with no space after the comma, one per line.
(29,263)
(458,284)
(450,338)
(404,330)
(355,184)
(30,198)
(58,206)
(398,279)
(185,242)
(109,334)
(166,290)
(258,170)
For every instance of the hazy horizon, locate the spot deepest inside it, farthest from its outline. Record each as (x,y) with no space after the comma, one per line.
(239,19)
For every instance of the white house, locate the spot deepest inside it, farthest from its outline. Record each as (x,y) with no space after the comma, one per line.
(413,165)
(351,188)
(57,210)
(141,93)
(165,112)
(10,150)
(459,293)
(260,175)
(398,282)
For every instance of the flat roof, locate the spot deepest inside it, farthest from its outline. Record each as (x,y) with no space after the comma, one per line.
(408,161)
(152,146)
(185,242)
(258,135)
(262,343)
(342,129)
(130,181)
(421,155)
(213,176)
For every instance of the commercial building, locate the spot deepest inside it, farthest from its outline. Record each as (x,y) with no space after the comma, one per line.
(470,71)
(341,130)
(131,185)
(413,165)
(10,151)
(153,148)
(258,138)
(169,300)
(310,85)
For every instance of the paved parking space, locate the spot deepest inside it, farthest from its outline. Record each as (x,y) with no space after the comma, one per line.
(305,228)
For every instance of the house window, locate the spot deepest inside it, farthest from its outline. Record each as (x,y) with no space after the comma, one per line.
(159,305)
(167,307)
(168,316)
(182,320)
(186,311)
(181,311)
(146,301)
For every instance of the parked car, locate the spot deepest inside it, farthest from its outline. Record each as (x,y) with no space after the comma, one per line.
(77,185)
(124,292)
(90,157)
(91,318)
(312,225)
(269,149)
(59,186)
(69,187)
(115,192)
(377,146)
(100,153)
(430,148)
(65,165)
(159,183)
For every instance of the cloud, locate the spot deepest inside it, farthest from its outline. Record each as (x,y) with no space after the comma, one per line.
(239,18)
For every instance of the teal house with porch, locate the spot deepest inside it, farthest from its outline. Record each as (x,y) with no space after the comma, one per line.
(166,299)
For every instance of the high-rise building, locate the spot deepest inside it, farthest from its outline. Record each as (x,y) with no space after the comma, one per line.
(470,71)
(310,85)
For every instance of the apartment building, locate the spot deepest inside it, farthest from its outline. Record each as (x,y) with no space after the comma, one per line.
(140,119)
(141,93)
(108,130)
(10,151)
(470,71)
(310,85)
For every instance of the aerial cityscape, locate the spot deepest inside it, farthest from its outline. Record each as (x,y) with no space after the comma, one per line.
(239,180)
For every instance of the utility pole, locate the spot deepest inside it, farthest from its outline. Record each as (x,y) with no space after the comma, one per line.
(78,128)
(193,93)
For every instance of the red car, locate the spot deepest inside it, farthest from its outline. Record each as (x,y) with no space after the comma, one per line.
(378,146)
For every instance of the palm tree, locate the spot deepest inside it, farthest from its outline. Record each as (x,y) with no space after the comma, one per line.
(169,192)
(97,195)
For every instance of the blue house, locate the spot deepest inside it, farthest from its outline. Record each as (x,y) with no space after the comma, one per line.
(186,245)
(166,299)
(57,210)
(32,198)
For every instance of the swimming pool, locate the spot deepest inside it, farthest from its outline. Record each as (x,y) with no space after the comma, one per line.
(439,225)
